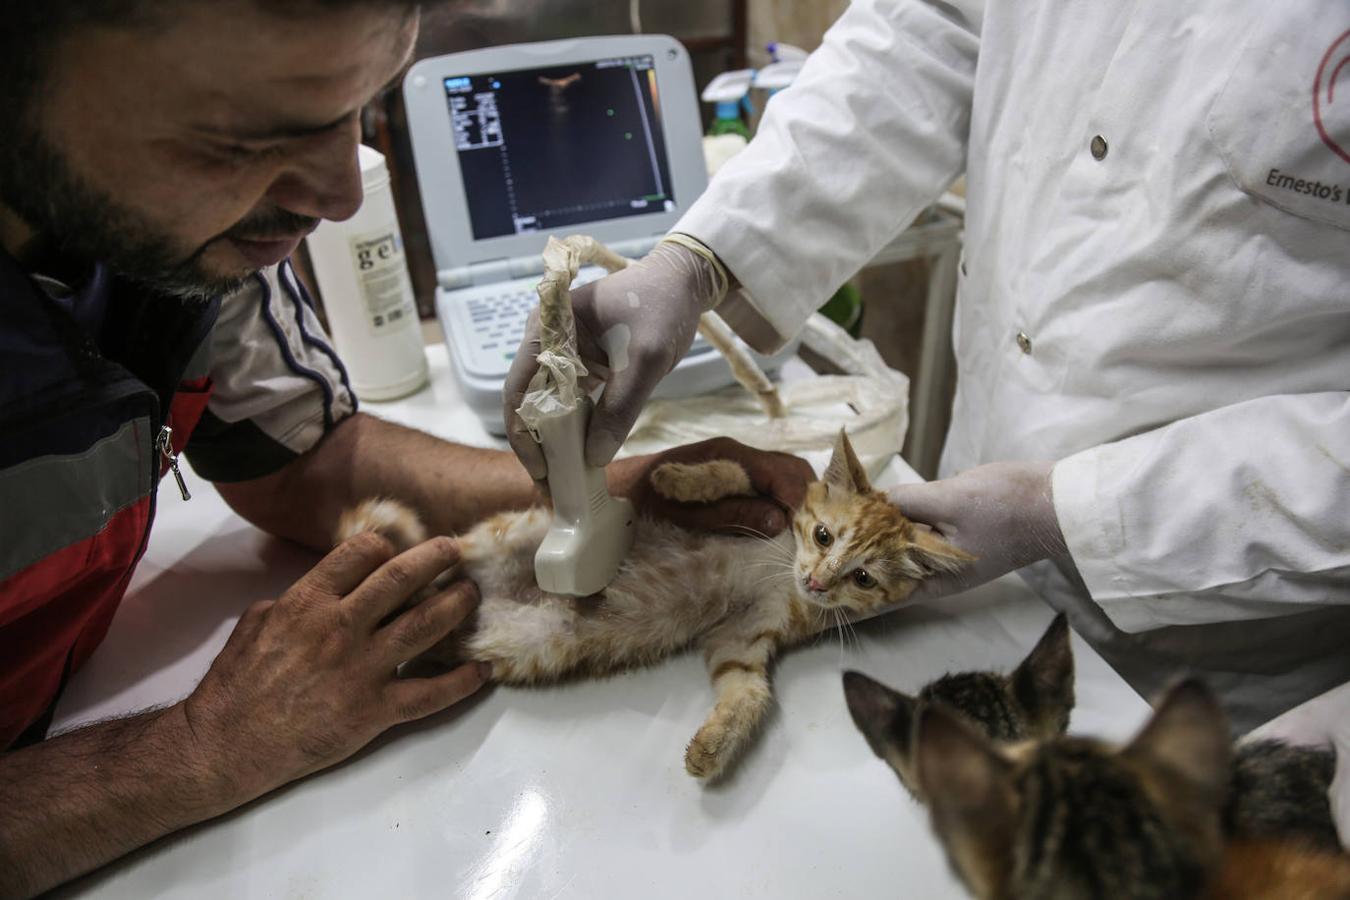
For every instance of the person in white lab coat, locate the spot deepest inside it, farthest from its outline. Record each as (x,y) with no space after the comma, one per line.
(1152,417)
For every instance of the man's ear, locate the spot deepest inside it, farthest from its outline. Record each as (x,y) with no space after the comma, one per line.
(933,556)
(1187,737)
(886,719)
(844,470)
(1043,683)
(969,790)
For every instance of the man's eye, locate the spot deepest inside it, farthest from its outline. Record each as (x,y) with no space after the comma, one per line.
(863,578)
(248,153)
(823,537)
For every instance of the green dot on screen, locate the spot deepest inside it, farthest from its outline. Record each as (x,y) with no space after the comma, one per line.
(609,112)
(628,135)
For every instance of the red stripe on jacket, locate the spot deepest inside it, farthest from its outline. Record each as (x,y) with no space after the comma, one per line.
(60,607)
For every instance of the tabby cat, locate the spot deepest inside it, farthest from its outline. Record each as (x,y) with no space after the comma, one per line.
(1033,701)
(742,599)
(1277,791)
(1177,814)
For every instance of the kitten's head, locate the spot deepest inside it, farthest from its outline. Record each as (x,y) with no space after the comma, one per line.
(1072,817)
(855,551)
(1032,702)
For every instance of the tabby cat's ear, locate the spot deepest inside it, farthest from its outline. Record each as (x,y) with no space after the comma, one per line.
(1187,738)
(886,719)
(844,470)
(1043,683)
(970,792)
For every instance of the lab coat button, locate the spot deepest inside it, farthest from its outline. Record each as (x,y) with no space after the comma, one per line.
(1098,147)
(1024,342)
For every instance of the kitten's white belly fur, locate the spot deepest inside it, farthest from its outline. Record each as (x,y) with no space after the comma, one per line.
(674,586)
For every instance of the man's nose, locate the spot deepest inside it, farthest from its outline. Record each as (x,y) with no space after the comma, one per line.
(324,181)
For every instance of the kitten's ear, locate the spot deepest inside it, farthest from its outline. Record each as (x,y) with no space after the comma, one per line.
(934,556)
(844,470)
(1043,683)
(970,792)
(886,719)
(1187,737)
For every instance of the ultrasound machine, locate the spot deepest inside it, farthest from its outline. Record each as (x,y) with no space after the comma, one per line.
(597,136)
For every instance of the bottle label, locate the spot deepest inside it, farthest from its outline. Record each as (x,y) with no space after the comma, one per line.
(383,278)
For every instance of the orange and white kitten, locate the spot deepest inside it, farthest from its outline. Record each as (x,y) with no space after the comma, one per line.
(742,599)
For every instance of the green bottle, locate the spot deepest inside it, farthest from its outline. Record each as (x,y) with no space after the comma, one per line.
(845,308)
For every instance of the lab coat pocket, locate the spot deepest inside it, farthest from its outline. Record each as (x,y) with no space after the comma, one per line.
(1282,120)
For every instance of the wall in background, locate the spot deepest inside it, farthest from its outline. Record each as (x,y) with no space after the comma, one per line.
(800,22)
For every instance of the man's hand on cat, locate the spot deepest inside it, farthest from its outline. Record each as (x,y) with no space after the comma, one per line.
(632,328)
(308,679)
(779,481)
(1001,513)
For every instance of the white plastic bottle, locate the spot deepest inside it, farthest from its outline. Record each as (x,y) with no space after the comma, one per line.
(367,294)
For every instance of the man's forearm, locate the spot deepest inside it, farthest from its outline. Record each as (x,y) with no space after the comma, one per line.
(78,801)
(451,485)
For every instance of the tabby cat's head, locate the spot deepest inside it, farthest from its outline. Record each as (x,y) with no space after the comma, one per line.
(855,550)
(1032,702)
(1071,817)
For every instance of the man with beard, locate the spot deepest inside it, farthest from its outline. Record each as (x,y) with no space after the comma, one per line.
(161,161)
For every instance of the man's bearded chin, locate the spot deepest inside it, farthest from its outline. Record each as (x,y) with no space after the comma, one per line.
(80,225)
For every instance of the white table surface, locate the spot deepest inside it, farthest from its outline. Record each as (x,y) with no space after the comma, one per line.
(568,792)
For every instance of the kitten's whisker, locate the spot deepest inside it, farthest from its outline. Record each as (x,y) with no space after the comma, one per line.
(838,628)
(762,538)
(771,575)
(853,634)
(753,532)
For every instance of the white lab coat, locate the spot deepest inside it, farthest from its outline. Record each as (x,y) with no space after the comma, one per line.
(1155,289)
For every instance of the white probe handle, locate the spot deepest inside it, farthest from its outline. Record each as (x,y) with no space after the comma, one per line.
(592,531)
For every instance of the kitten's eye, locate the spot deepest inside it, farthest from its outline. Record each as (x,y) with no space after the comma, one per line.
(823,537)
(863,578)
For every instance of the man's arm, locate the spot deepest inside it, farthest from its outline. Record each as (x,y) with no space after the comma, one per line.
(871,132)
(450,485)
(1247,502)
(453,486)
(72,803)
(302,683)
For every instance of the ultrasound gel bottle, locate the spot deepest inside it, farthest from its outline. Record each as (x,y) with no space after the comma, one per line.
(367,295)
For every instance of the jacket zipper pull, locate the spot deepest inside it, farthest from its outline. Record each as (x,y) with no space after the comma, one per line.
(164,443)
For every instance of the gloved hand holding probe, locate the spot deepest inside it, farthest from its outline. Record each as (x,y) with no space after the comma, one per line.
(632,328)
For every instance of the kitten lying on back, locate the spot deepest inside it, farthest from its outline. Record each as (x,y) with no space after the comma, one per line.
(848,552)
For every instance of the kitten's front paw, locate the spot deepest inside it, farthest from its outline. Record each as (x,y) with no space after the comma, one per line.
(706,756)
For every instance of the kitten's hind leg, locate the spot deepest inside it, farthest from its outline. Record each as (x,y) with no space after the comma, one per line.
(740,676)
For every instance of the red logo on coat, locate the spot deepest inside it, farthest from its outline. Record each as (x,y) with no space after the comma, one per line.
(1334,124)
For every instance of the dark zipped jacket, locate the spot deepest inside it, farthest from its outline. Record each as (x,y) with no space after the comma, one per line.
(91,422)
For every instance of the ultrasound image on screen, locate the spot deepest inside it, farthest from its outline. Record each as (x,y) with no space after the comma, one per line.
(545,148)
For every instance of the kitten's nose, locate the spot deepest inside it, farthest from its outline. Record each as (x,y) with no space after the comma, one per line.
(815,585)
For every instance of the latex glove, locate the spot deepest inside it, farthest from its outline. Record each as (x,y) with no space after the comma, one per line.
(779,481)
(1000,513)
(632,328)
(1323,721)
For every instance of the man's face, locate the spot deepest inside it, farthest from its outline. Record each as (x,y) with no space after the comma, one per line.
(190,154)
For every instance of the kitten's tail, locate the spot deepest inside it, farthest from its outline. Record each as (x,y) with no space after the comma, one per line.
(702,482)
(390,519)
